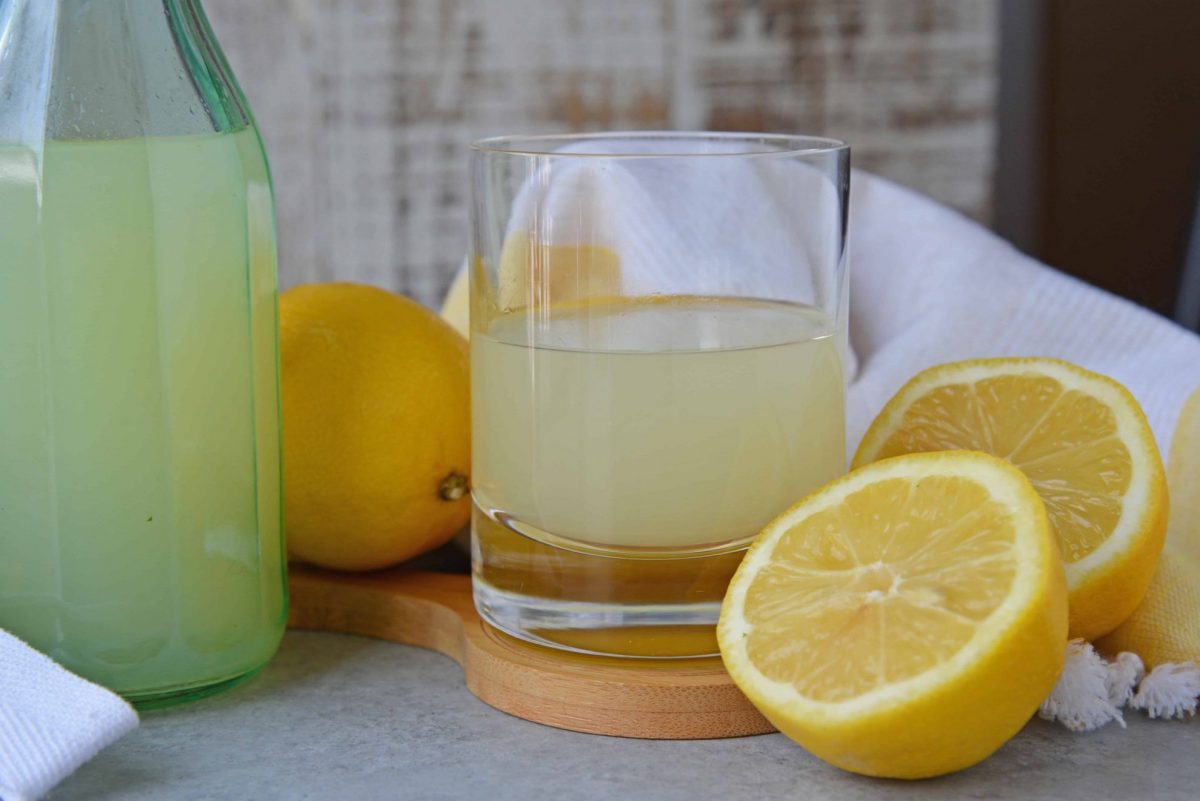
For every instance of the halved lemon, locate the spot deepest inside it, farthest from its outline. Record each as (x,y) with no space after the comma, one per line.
(905,620)
(1083,441)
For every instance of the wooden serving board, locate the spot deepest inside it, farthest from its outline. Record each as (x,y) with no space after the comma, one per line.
(669,699)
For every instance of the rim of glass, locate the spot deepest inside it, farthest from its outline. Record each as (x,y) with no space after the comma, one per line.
(757,145)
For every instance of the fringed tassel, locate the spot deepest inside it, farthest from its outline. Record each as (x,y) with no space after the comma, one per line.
(1170,691)
(1091,690)
(1080,698)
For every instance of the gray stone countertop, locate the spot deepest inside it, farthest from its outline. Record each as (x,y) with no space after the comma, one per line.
(341,717)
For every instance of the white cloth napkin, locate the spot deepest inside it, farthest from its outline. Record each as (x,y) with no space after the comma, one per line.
(51,721)
(930,286)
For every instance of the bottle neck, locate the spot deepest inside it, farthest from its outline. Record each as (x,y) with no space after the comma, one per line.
(113,69)
(210,72)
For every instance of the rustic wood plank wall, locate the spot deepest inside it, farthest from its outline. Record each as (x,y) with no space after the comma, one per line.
(367,105)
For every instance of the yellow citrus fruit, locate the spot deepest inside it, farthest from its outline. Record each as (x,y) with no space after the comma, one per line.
(904,620)
(456,307)
(536,274)
(376,425)
(1083,441)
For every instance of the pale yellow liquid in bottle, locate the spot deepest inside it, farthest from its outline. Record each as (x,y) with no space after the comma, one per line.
(140,539)
(665,425)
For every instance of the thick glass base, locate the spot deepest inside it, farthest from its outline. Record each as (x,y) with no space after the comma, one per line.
(605,605)
(661,631)
(174,696)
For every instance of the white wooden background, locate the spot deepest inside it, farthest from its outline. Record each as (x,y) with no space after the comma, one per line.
(367,105)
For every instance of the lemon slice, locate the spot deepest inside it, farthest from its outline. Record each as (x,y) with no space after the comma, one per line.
(1083,441)
(905,620)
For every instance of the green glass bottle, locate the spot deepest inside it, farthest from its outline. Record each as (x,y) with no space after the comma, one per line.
(140,531)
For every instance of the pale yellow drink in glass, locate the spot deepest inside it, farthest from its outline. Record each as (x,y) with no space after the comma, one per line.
(653,430)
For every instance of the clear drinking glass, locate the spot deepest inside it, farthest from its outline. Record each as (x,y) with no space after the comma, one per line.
(657,329)
(140,540)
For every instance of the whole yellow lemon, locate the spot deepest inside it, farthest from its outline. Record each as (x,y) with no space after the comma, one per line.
(376,426)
